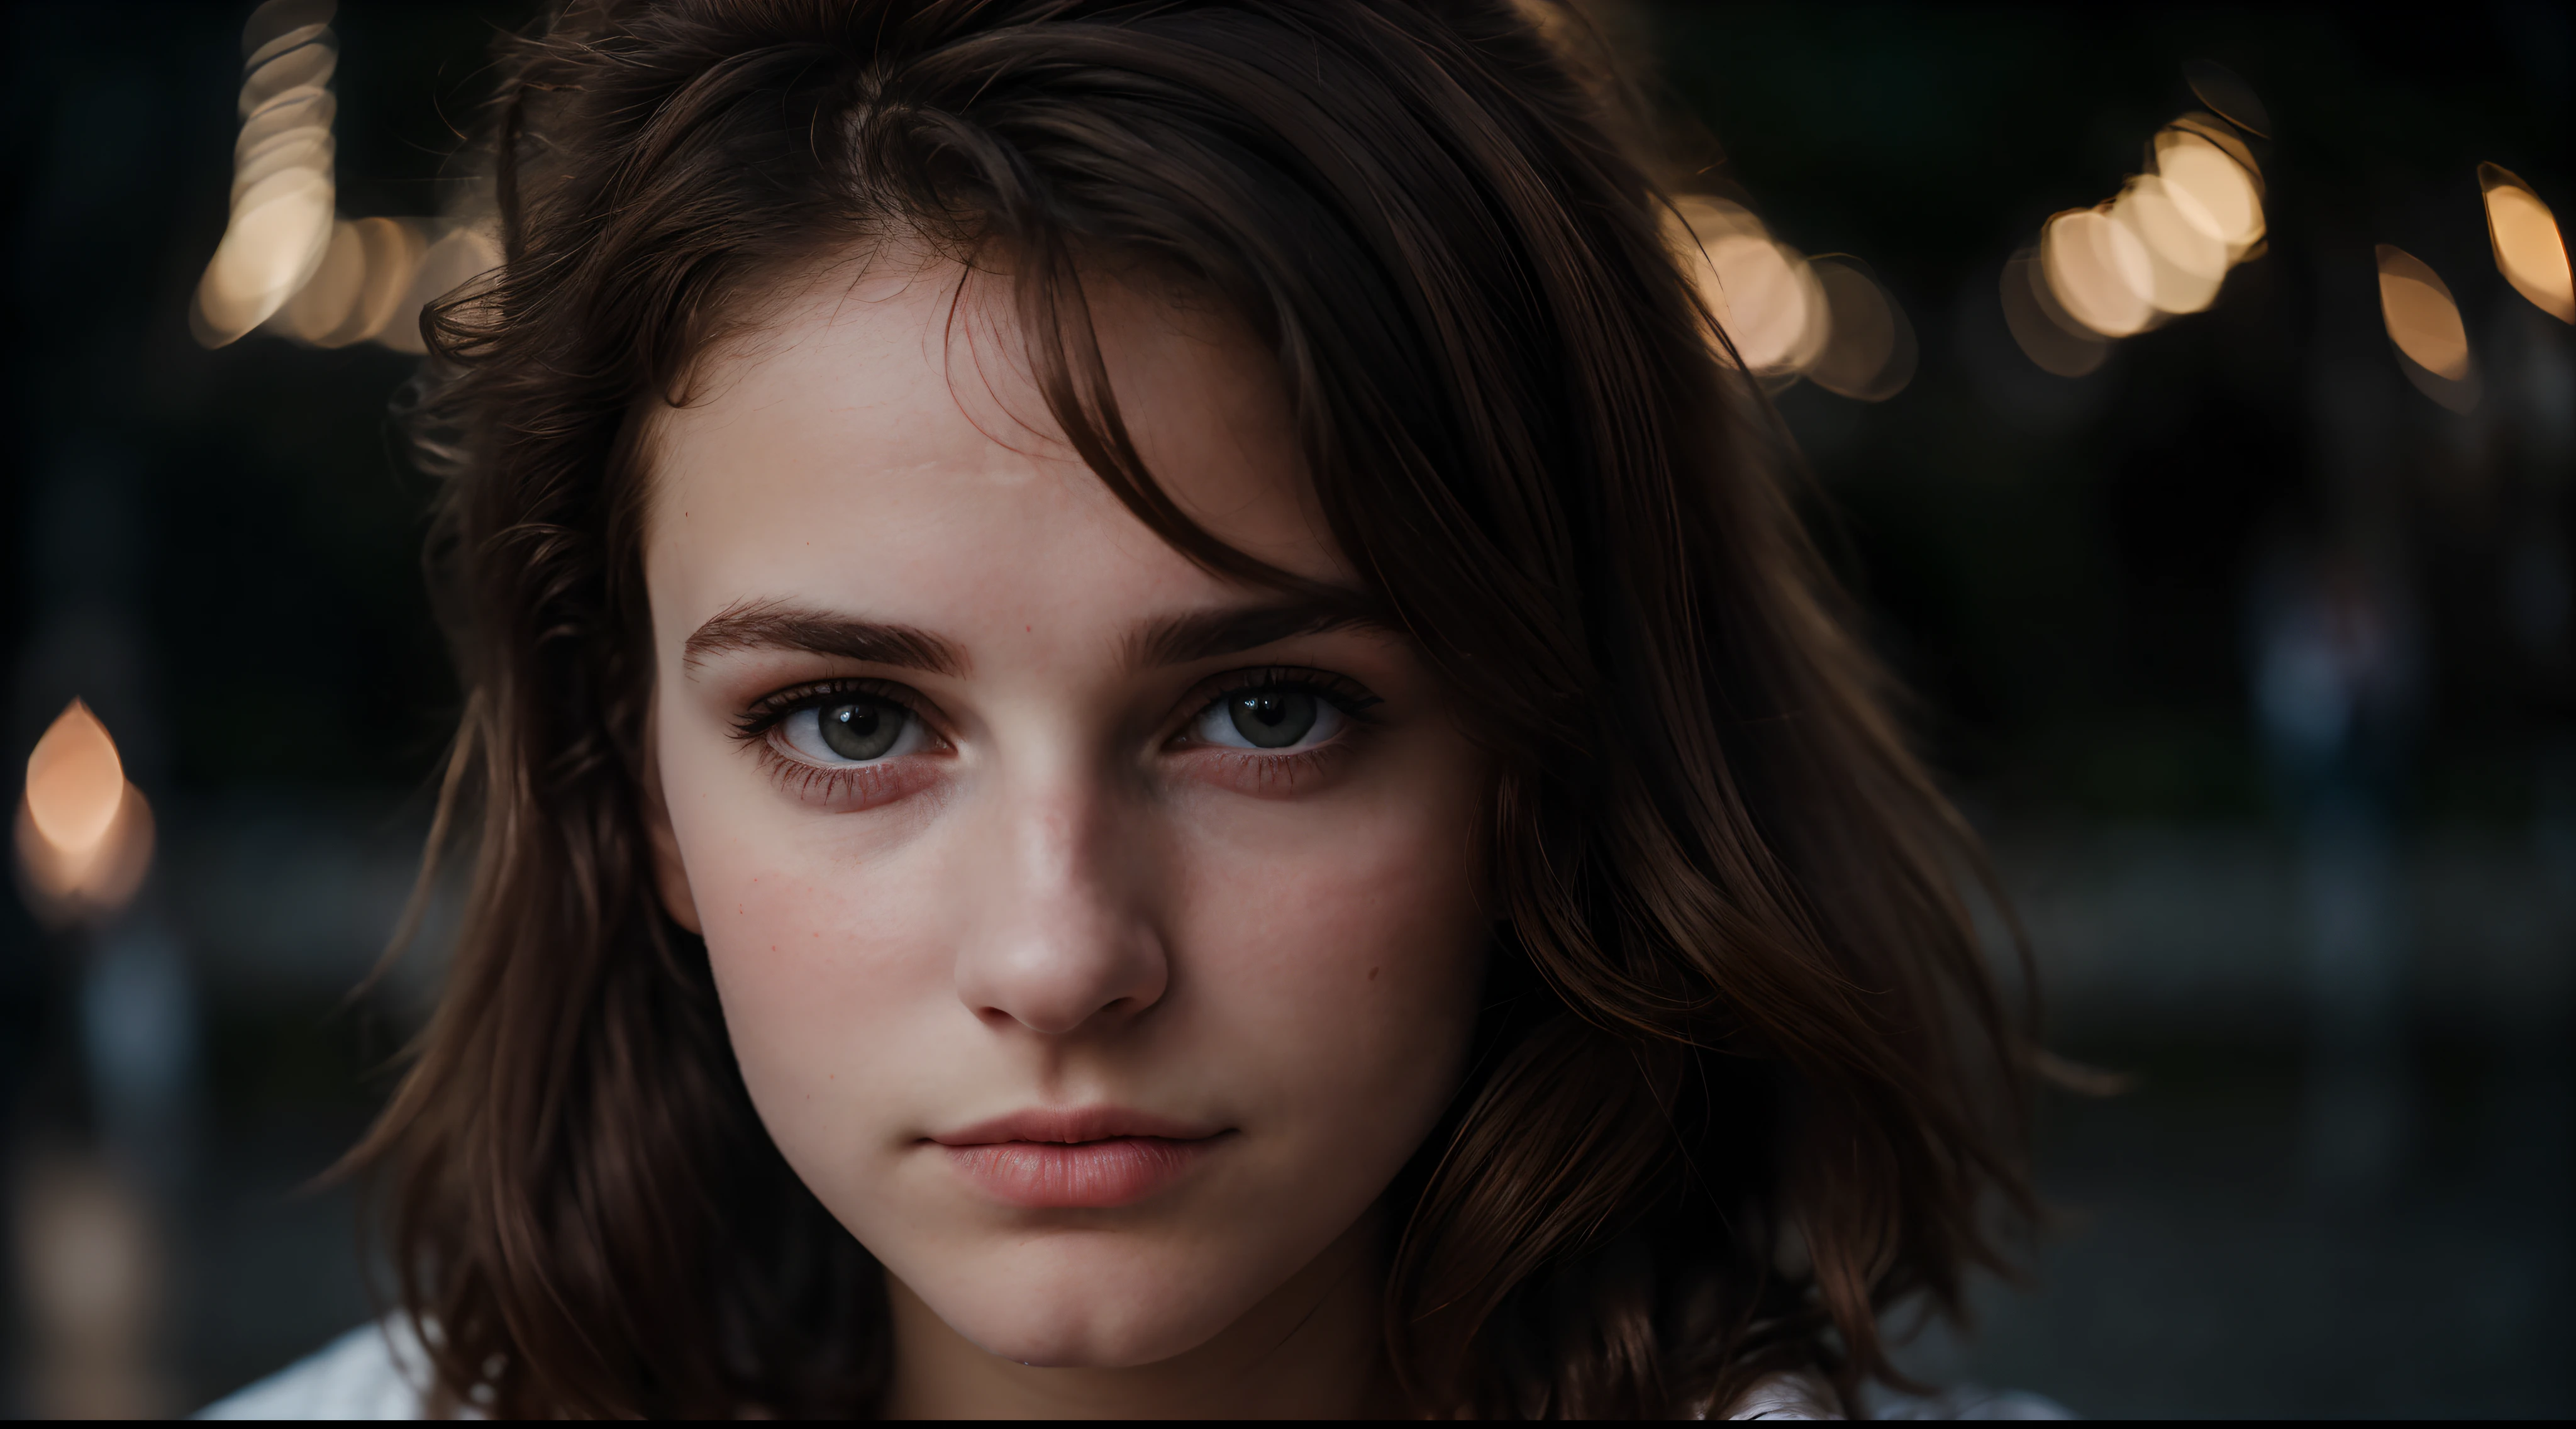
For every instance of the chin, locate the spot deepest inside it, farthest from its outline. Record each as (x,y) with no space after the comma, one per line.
(1085,1316)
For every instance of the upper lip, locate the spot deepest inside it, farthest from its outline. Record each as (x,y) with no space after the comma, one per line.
(1075,1124)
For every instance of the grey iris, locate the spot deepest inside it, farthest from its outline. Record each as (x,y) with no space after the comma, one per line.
(1272,719)
(861,729)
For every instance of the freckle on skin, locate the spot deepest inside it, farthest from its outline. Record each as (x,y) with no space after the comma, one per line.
(1372,974)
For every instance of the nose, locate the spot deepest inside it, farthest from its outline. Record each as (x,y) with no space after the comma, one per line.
(1060,938)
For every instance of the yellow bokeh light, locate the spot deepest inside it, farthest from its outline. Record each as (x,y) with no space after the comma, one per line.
(295,149)
(389,258)
(268,50)
(2422,318)
(84,835)
(280,231)
(314,109)
(2055,344)
(2530,251)
(280,24)
(321,307)
(1708,218)
(2212,130)
(74,781)
(2217,194)
(2099,272)
(1765,299)
(307,66)
(2424,325)
(1869,351)
(2186,263)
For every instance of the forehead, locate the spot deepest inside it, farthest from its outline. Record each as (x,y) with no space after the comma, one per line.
(879,438)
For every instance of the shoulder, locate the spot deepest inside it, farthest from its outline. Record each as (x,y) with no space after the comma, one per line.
(373,1372)
(1789,1396)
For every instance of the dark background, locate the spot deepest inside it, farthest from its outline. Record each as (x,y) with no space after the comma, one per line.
(219,550)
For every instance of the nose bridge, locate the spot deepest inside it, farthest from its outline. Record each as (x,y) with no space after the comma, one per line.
(1062,939)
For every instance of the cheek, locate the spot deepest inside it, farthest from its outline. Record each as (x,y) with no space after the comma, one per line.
(1349,951)
(826,947)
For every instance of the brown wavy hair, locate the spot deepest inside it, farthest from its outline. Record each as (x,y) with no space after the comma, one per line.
(1744,1086)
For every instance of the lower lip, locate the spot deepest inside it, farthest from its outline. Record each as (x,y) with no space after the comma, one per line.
(1052,1175)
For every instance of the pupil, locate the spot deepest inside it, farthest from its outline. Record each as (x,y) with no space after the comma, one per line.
(1273,719)
(860,730)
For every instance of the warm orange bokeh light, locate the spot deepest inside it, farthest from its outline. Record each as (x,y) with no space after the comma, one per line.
(2213,189)
(302,66)
(2054,342)
(74,781)
(2161,248)
(1770,306)
(84,834)
(2099,272)
(2529,249)
(2185,263)
(1870,351)
(280,232)
(2424,324)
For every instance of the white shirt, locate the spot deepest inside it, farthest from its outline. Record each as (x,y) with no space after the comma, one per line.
(380,1372)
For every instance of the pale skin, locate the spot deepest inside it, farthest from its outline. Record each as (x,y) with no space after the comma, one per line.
(1029,861)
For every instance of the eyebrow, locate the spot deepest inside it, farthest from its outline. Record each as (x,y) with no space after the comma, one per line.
(778,625)
(1172,640)
(1207,634)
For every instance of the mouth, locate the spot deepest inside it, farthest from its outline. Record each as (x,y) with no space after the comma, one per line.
(1089,1157)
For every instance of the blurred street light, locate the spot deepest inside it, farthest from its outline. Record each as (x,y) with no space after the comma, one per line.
(2423,322)
(2159,249)
(84,834)
(1827,320)
(287,264)
(2529,250)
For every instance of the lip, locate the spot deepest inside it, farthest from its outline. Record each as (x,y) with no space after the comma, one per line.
(1085,1157)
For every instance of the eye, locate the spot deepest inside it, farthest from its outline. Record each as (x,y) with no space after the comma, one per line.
(852,729)
(1269,717)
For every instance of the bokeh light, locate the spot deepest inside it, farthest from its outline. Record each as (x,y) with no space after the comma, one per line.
(2424,322)
(2216,188)
(84,834)
(2186,261)
(2529,249)
(288,264)
(1870,349)
(2054,341)
(1787,317)
(2161,248)
(1760,290)
(2099,271)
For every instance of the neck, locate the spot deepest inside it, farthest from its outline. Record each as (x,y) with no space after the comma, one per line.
(1314,1349)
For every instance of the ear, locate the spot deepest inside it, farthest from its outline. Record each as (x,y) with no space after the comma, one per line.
(670,875)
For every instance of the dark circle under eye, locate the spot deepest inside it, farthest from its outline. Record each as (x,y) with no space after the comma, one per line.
(861,729)
(1272,719)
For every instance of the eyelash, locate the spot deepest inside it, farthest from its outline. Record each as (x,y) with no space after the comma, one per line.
(1345,695)
(1281,773)
(814,782)
(771,710)
(820,783)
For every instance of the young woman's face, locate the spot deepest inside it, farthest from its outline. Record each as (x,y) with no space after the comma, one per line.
(1097,936)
